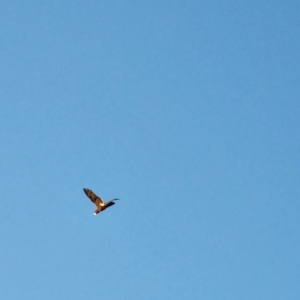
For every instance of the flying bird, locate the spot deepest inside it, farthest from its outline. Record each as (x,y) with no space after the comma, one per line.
(100,204)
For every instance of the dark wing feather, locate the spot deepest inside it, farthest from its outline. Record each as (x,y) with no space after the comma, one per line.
(94,198)
(108,204)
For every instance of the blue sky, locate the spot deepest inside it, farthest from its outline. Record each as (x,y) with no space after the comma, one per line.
(186,110)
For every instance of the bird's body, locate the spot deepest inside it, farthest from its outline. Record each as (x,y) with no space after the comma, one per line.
(99,203)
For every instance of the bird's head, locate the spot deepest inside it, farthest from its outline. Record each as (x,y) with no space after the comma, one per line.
(97,211)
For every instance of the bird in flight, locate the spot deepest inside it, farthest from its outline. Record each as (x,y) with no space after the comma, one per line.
(100,204)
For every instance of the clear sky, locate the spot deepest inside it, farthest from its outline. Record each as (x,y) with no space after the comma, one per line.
(186,110)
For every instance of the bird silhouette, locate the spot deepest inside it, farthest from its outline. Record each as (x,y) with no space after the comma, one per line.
(99,203)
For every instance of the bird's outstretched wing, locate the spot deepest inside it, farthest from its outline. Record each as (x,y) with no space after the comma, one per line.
(94,198)
(108,204)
